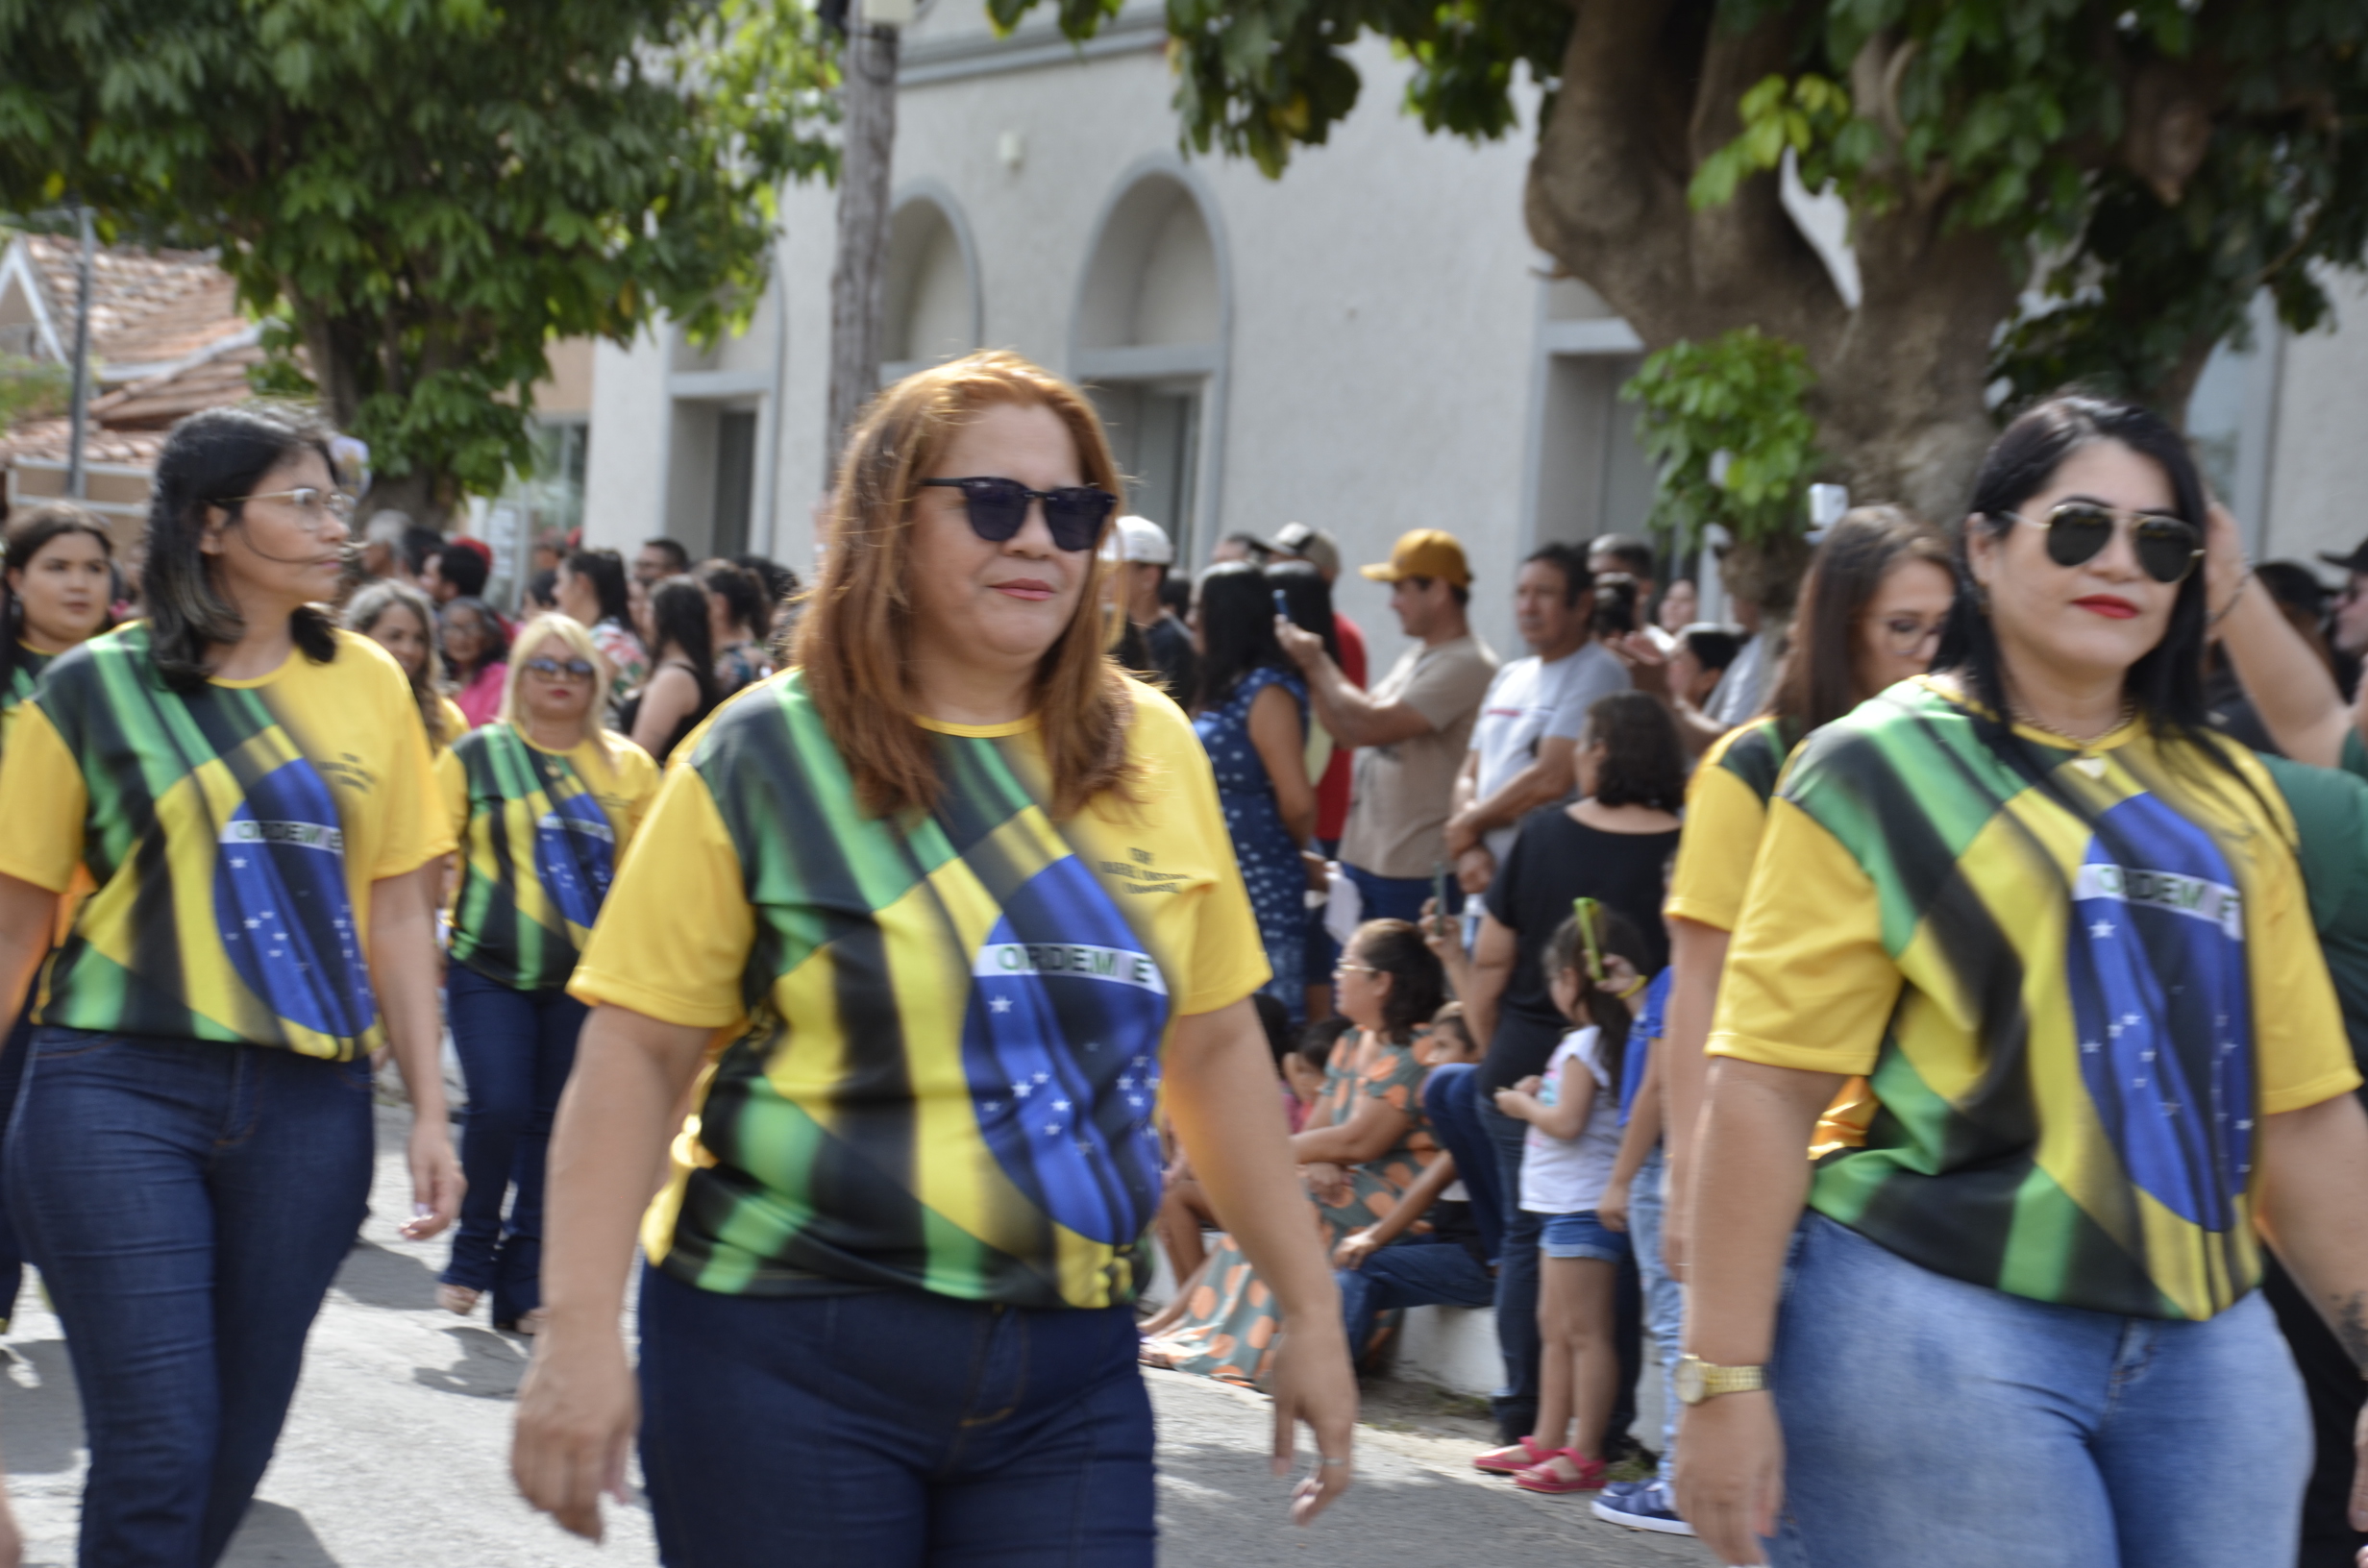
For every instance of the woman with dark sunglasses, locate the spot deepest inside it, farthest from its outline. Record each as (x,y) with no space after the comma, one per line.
(927,919)
(247,786)
(543,802)
(2059,926)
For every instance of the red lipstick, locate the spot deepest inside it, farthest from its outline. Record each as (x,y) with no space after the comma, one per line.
(2108,607)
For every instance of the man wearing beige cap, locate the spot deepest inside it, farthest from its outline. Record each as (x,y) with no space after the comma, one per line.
(1411,730)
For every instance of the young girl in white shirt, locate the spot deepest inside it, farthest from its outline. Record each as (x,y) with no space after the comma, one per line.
(1573,1116)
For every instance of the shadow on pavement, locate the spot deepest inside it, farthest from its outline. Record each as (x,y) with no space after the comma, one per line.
(44,1413)
(376,1277)
(489,1366)
(276,1536)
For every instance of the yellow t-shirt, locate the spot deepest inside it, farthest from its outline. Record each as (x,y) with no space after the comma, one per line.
(233,833)
(2075,986)
(541,836)
(456,724)
(1726,807)
(942,1036)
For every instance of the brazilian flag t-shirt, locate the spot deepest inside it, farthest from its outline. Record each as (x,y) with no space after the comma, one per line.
(231,834)
(939,1064)
(540,834)
(2075,996)
(23,676)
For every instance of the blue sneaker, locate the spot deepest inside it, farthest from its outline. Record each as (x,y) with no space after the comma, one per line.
(1640,1504)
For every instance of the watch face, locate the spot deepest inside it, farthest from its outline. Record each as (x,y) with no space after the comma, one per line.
(1690,1380)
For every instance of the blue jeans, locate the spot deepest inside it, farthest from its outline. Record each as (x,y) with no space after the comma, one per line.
(1418,1271)
(187,1204)
(1516,1403)
(1398,897)
(892,1428)
(1934,1422)
(516,1048)
(1664,1298)
(1451,1104)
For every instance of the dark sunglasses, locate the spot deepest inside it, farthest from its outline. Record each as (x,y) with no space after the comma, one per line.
(2168,548)
(553,668)
(997,509)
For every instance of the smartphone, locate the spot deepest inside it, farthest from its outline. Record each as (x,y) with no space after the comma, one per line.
(1282,606)
(1584,909)
(1438,890)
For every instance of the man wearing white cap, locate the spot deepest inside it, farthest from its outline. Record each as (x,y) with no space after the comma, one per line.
(1145,554)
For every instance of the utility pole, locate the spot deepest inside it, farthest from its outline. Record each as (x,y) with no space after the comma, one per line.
(76,482)
(866,148)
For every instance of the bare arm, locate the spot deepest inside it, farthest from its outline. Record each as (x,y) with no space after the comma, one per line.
(577,1409)
(1460,795)
(28,916)
(1566,1117)
(1220,1094)
(1545,780)
(1636,1142)
(1697,952)
(1749,1190)
(1492,968)
(404,971)
(2315,1165)
(1274,732)
(2289,687)
(670,695)
(1372,1130)
(1353,717)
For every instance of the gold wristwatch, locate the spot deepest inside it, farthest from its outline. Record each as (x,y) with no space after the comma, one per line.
(1698,1379)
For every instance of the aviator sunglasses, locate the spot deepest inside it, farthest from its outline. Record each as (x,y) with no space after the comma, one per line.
(998,508)
(2168,548)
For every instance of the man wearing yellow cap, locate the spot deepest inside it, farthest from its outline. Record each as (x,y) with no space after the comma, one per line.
(1411,730)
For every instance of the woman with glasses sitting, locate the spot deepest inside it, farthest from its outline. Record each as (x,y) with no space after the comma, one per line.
(2058,924)
(543,802)
(930,920)
(248,787)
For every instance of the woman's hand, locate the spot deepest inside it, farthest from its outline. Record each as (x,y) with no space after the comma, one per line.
(2223,558)
(1731,1474)
(577,1409)
(1439,934)
(1531,1085)
(1355,1247)
(1621,977)
(1326,1182)
(1648,668)
(436,1183)
(1303,646)
(1314,1382)
(1611,1208)
(1474,869)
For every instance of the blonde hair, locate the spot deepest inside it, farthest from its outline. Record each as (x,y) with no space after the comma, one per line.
(362,614)
(571,633)
(855,638)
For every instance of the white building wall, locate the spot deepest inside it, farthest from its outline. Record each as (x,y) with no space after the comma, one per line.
(2320,468)
(625,463)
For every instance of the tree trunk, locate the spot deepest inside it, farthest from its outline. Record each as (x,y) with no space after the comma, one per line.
(1650,88)
(859,277)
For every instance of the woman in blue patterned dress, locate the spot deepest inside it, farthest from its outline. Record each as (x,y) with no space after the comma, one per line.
(1254,723)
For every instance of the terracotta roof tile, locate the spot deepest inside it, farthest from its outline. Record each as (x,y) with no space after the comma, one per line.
(153,404)
(45,440)
(147,306)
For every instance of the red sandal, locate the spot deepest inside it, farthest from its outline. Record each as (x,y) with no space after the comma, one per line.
(1514,1458)
(1549,1478)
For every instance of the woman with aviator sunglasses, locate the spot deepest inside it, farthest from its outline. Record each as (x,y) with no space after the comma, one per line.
(928,918)
(2058,924)
(543,802)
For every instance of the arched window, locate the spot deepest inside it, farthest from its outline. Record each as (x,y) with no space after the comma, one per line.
(934,308)
(1149,341)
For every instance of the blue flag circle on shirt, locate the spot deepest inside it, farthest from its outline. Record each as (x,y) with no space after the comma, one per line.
(1061,1045)
(574,855)
(2161,1008)
(286,918)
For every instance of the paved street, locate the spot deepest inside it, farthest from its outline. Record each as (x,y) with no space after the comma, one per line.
(395,1455)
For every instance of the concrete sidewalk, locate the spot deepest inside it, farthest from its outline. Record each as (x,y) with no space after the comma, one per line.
(396,1455)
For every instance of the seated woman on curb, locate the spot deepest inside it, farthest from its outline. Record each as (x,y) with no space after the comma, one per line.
(1362,1146)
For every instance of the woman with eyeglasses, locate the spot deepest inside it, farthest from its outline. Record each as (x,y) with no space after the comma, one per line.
(543,802)
(930,919)
(401,619)
(248,786)
(2056,922)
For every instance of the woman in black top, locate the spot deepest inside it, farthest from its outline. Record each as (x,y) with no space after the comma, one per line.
(681,688)
(1612,844)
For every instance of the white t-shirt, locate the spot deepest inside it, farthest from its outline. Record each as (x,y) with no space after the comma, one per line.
(1741,692)
(1568,1176)
(1531,701)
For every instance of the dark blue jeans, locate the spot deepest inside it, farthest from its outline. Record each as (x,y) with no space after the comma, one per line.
(1398,897)
(187,1204)
(1516,1403)
(892,1428)
(1451,1104)
(516,1048)
(1418,1271)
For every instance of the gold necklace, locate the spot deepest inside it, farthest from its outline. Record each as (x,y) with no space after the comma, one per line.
(2024,716)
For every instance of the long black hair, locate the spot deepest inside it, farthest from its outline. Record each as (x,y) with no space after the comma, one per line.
(1819,682)
(27,537)
(212,459)
(743,593)
(1237,629)
(605,571)
(2167,682)
(1309,600)
(678,616)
